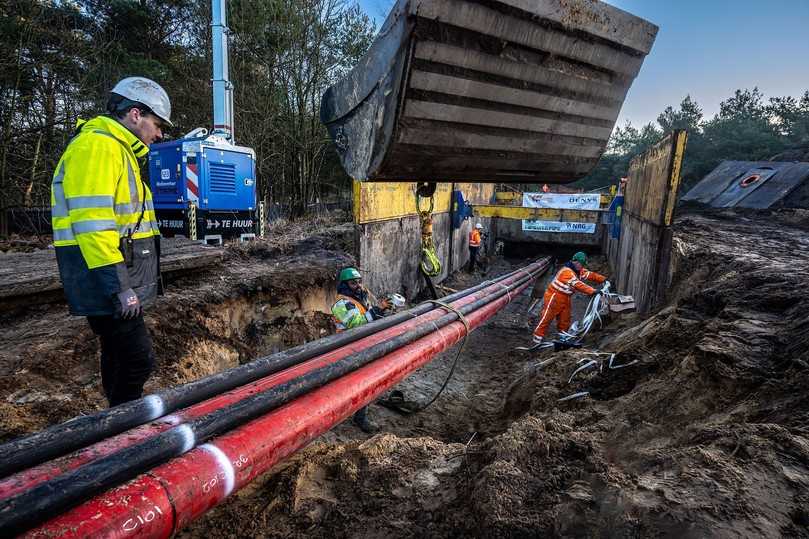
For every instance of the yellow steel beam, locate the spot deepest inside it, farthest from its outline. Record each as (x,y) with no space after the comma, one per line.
(542,214)
(381,201)
(508,197)
(681,137)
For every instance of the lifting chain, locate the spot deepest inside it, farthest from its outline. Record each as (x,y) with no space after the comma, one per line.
(430,264)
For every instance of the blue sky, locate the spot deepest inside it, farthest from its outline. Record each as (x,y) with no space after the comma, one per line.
(709,48)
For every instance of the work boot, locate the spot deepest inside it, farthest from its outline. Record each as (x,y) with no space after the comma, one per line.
(361,420)
(535,344)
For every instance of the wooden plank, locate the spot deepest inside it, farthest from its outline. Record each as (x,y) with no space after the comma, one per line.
(458,138)
(486,21)
(653,176)
(596,18)
(643,250)
(24,274)
(494,93)
(505,66)
(506,120)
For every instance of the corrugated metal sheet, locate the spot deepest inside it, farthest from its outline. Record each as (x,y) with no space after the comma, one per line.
(751,184)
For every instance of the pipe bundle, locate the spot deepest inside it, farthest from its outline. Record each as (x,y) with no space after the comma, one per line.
(213,436)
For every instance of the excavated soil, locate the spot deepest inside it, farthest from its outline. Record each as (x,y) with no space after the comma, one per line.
(266,296)
(705,434)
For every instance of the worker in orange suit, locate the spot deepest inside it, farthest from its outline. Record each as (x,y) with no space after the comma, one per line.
(556,302)
(474,246)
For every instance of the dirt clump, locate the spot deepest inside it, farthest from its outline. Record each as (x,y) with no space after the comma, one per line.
(705,434)
(251,305)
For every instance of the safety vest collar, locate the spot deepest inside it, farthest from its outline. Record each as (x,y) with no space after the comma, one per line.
(355,301)
(116,129)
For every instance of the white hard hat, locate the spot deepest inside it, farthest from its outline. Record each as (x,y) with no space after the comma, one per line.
(149,93)
(479,226)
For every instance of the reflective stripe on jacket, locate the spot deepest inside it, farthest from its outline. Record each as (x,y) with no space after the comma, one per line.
(474,238)
(566,281)
(97,196)
(591,276)
(349,313)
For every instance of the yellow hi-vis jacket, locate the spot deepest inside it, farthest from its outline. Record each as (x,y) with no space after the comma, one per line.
(97,197)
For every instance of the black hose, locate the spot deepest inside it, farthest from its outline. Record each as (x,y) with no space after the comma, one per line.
(82,431)
(47,499)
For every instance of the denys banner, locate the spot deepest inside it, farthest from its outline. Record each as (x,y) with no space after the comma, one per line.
(558,226)
(562,201)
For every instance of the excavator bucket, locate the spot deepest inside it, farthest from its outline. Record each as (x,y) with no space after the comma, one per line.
(506,91)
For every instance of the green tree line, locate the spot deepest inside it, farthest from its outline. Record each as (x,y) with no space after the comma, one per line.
(748,127)
(59,58)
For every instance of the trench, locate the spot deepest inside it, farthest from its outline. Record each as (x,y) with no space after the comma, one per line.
(707,433)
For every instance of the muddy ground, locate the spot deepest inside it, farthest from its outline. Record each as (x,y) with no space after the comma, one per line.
(706,434)
(264,297)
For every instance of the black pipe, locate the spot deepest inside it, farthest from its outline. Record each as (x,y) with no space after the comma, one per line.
(20,512)
(82,431)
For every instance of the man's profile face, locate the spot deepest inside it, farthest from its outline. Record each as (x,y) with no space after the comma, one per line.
(145,125)
(354,284)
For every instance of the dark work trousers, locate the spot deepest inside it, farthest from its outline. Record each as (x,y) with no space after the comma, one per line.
(126,356)
(473,258)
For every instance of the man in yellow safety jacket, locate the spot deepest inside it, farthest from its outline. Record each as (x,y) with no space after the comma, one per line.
(105,232)
(353,309)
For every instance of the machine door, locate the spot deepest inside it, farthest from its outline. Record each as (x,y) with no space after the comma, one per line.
(229,180)
(165,175)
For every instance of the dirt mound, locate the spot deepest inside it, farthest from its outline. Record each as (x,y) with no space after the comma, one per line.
(713,433)
(214,319)
(705,434)
(363,489)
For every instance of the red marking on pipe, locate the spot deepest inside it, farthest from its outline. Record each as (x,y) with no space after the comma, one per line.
(192,480)
(26,479)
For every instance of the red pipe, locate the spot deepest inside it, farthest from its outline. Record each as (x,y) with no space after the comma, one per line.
(172,495)
(26,479)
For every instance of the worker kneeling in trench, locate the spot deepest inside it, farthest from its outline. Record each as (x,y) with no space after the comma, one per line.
(353,309)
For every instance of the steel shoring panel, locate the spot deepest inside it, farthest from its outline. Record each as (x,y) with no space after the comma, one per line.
(741,187)
(780,186)
(722,188)
(717,181)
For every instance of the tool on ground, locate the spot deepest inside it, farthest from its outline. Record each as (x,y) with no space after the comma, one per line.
(397,300)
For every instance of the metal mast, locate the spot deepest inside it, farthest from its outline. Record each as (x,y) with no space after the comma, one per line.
(222,87)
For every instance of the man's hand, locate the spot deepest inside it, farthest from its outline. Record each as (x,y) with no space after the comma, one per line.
(130,304)
(384,304)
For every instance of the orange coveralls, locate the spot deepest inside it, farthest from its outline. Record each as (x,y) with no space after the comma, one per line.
(474,238)
(556,302)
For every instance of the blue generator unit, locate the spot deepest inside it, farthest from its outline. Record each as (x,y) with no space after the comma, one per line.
(204,188)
